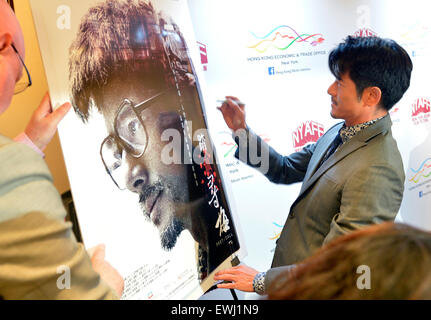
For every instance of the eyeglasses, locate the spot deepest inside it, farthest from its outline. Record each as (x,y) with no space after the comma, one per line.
(131,136)
(22,85)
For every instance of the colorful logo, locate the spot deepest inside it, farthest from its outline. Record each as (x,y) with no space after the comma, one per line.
(282,38)
(204,55)
(365,32)
(421,110)
(395,114)
(277,233)
(307,132)
(424,171)
(394,111)
(417,32)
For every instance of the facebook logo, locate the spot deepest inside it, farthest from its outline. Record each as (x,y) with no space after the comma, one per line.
(271,71)
(421,194)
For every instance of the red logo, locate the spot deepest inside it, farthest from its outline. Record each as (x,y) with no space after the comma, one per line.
(307,132)
(421,109)
(365,32)
(204,55)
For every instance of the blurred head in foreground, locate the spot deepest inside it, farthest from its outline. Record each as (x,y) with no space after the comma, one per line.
(386,261)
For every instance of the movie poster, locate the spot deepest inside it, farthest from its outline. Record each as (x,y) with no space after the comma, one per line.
(141,163)
(273,56)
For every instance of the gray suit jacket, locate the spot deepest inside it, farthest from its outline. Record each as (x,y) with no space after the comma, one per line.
(360,184)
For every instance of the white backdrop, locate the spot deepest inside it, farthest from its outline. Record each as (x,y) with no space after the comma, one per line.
(244,43)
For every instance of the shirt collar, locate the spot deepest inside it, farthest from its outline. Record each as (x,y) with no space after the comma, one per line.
(346,133)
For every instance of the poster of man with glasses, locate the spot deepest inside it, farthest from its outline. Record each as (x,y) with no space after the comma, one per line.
(140,159)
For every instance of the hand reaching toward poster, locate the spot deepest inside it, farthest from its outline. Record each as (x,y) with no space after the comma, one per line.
(43,124)
(240,277)
(233,113)
(106,271)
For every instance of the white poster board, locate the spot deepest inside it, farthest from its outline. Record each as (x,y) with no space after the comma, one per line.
(167,227)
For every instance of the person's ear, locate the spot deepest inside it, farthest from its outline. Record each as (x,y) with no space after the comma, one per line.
(372,96)
(5,41)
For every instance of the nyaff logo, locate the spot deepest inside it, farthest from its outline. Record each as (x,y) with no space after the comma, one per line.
(365,32)
(307,132)
(421,111)
(204,55)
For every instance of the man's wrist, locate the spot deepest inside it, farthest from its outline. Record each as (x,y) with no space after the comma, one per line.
(240,126)
(24,139)
(259,283)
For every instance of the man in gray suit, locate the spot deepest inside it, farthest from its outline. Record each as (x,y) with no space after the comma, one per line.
(353,176)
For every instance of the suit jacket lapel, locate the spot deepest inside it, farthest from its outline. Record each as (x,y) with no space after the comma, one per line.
(320,151)
(356,142)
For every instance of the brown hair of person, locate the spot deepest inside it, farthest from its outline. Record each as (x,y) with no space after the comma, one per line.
(398,257)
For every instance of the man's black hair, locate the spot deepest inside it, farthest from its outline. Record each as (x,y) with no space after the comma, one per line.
(373,62)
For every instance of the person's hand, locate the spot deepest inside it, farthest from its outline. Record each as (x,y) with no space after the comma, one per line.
(241,278)
(233,113)
(43,124)
(106,271)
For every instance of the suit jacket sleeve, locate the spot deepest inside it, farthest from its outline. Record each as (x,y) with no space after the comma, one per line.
(255,152)
(36,244)
(274,273)
(371,195)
